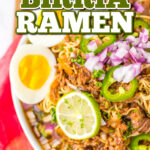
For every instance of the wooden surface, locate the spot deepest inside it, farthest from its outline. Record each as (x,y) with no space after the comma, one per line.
(15,22)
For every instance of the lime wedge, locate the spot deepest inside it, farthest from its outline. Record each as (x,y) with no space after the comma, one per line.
(78,115)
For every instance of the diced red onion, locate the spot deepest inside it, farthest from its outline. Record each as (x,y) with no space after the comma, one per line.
(121,52)
(47,147)
(146,56)
(43,140)
(144,35)
(49,128)
(136,55)
(126,59)
(138,7)
(90,63)
(134,41)
(36,109)
(147,45)
(36,131)
(123,44)
(116,62)
(127,73)
(56,142)
(99,66)
(27,106)
(30,115)
(102,56)
(56,136)
(92,46)
(89,55)
(34,122)
(132,56)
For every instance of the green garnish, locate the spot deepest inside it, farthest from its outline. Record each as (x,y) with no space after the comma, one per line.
(79,60)
(53,115)
(71,49)
(128,131)
(42,131)
(61,46)
(105,115)
(119,115)
(98,73)
(98,84)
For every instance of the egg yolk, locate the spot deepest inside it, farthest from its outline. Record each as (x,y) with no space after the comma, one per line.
(34,71)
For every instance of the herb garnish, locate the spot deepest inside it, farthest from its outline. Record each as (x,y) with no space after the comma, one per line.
(53,115)
(79,60)
(98,73)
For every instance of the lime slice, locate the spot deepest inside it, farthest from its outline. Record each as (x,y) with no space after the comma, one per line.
(78,115)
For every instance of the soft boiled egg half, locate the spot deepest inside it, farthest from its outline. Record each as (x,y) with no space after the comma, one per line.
(46,40)
(32,72)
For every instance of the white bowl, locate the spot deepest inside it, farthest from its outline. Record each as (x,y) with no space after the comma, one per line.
(20,112)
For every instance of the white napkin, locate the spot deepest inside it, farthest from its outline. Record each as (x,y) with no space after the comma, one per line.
(7,12)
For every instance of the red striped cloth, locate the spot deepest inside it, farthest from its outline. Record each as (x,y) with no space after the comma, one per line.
(11,133)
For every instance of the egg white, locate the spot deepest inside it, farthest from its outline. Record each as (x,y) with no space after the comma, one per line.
(45,40)
(25,94)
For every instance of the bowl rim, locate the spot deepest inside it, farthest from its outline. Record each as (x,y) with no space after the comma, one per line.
(20,112)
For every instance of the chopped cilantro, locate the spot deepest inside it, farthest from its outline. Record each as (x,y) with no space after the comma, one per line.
(98,84)
(71,49)
(111,130)
(135,110)
(79,60)
(119,115)
(112,91)
(129,130)
(105,115)
(61,46)
(98,73)
(106,105)
(79,53)
(53,115)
